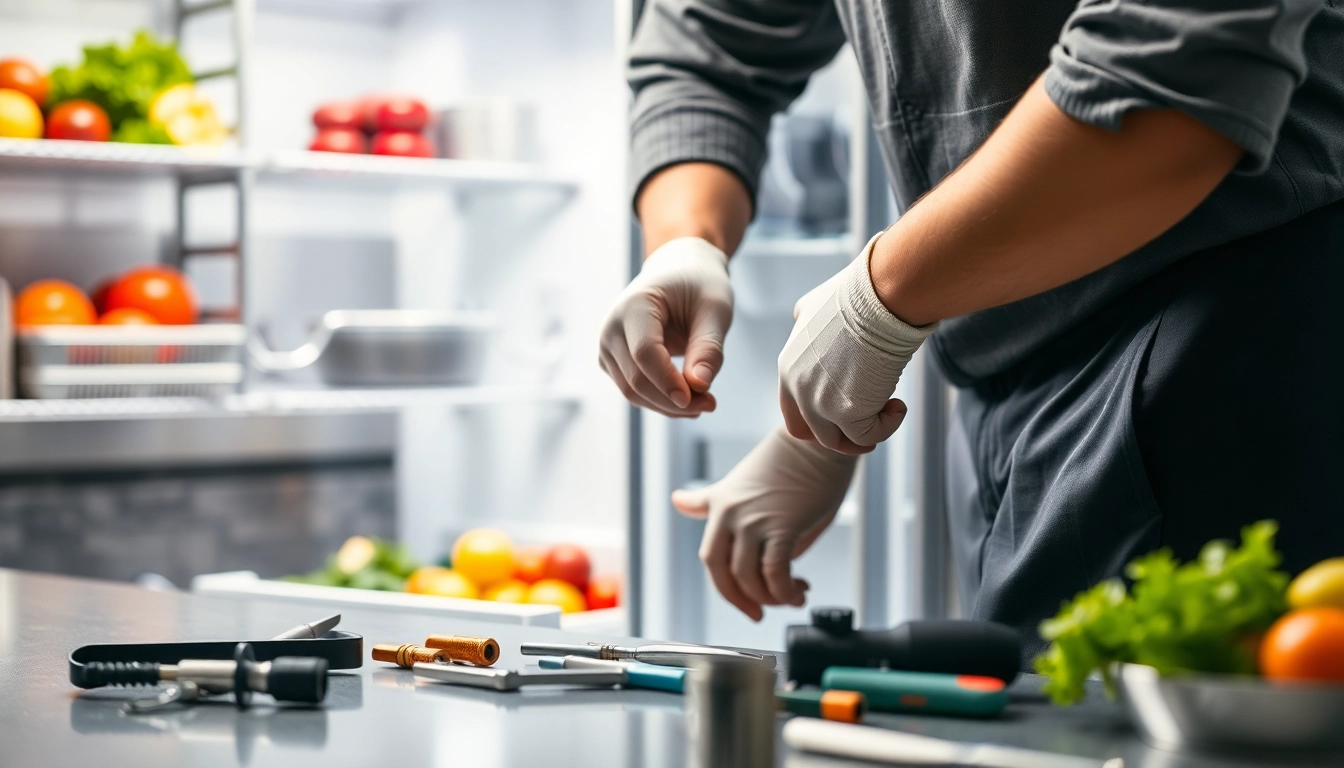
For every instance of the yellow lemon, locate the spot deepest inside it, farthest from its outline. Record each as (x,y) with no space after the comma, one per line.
(484,555)
(1320,585)
(511,591)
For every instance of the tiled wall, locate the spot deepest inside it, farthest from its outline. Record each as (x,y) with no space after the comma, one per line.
(178,523)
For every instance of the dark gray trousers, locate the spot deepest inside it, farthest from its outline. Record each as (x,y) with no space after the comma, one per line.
(1206,398)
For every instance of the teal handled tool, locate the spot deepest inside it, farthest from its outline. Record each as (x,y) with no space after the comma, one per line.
(890,690)
(841,706)
(637,675)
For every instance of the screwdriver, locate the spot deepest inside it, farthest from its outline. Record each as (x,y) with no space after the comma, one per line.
(310,631)
(665,654)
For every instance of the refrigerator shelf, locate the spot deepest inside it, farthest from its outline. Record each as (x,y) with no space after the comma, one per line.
(146,160)
(279,403)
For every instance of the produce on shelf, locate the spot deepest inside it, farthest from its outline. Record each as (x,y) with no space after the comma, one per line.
(442,582)
(19,116)
(127,316)
(484,555)
(604,592)
(400,113)
(187,116)
(559,593)
(348,115)
(53,302)
(160,291)
(383,124)
(78,120)
(1306,644)
(1321,585)
(402,144)
(509,591)
(339,140)
(568,562)
(529,564)
(364,563)
(23,76)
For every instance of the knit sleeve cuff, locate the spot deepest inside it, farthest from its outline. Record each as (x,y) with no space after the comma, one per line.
(871,316)
(688,133)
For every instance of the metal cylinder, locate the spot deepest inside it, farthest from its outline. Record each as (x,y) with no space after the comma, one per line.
(407,655)
(481,651)
(730,713)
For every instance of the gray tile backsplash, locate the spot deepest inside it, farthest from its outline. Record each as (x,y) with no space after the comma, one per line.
(179,523)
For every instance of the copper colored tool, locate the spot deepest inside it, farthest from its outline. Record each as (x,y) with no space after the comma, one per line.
(481,651)
(407,655)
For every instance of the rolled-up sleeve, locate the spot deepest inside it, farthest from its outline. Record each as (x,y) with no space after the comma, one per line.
(707,75)
(1231,64)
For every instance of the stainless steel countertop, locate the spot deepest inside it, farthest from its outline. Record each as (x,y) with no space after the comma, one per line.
(379,716)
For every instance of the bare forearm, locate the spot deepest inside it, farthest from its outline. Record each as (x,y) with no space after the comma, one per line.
(694,200)
(1046,200)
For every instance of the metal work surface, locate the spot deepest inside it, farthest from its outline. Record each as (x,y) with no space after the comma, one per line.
(380,715)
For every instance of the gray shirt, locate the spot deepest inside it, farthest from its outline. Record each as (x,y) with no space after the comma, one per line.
(941,74)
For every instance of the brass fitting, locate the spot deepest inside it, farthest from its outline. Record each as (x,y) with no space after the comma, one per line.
(481,651)
(407,655)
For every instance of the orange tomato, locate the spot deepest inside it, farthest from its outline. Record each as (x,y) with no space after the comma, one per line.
(558,593)
(53,302)
(570,563)
(484,555)
(23,76)
(443,582)
(529,564)
(127,316)
(1305,645)
(604,592)
(161,291)
(511,591)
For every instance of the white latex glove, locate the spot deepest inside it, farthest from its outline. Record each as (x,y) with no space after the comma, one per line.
(681,303)
(765,513)
(842,361)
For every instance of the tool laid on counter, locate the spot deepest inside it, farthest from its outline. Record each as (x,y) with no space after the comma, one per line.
(841,706)
(441,649)
(638,674)
(290,669)
(310,631)
(890,690)
(864,742)
(512,679)
(286,678)
(931,645)
(664,654)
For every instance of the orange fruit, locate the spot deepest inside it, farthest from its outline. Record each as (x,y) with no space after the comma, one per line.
(511,591)
(127,316)
(19,116)
(161,291)
(484,555)
(604,592)
(558,593)
(529,564)
(1305,645)
(53,302)
(442,582)
(24,76)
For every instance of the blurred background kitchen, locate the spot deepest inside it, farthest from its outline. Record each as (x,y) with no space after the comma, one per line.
(401,222)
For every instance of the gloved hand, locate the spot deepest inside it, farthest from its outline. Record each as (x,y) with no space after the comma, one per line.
(765,513)
(681,303)
(842,361)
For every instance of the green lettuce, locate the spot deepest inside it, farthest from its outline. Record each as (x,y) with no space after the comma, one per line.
(122,80)
(1202,616)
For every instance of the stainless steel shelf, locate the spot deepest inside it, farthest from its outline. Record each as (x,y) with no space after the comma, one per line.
(85,157)
(276,403)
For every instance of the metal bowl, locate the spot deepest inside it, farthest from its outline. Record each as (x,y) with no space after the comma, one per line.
(1226,712)
(389,348)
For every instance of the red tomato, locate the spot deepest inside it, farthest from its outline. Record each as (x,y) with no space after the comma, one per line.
(1306,644)
(604,592)
(368,110)
(78,120)
(568,562)
(161,291)
(529,564)
(402,144)
(53,302)
(339,114)
(401,113)
(127,316)
(22,76)
(344,140)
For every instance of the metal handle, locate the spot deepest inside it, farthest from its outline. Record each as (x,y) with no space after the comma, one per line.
(296,359)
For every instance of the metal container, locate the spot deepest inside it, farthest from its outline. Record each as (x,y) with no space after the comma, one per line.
(496,130)
(6,341)
(1228,713)
(730,714)
(389,348)
(100,361)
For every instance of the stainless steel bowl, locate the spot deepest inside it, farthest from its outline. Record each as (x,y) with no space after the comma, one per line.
(389,348)
(1225,712)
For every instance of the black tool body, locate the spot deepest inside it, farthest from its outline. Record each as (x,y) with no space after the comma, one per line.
(948,646)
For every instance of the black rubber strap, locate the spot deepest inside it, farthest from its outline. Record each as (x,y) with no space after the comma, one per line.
(342,650)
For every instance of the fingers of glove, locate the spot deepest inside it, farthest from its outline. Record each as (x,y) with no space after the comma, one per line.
(776,556)
(881,426)
(793,417)
(692,503)
(704,349)
(811,535)
(830,436)
(648,350)
(614,371)
(715,552)
(647,390)
(745,566)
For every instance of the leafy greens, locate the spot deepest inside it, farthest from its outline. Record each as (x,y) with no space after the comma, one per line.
(123,81)
(1202,616)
